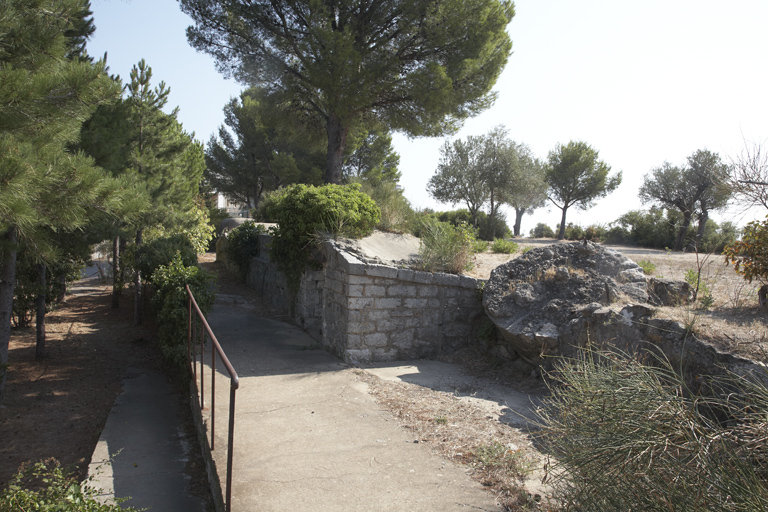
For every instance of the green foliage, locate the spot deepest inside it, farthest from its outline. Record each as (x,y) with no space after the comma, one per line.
(46,487)
(632,436)
(573,232)
(158,252)
(59,274)
(260,148)
(197,228)
(542,231)
(488,228)
(577,177)
(658,228)
(396,211)
(502,246)
(416,67)
(700,288)
(648,266)
(446,248)
(749,255)
(654,228)
(479,246)
(242,245)
(170,305)
(305,212)
(696,188)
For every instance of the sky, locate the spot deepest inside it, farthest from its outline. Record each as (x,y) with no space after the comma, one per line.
(642,83)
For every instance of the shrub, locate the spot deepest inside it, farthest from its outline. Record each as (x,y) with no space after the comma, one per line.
(648,266)
(479,246)
(749,255)
(158,252)
(573,232)
(196,228)
(446,248)
(502,246)
(487,228)
(595,233)
(700,288)
(170,304)
(243,244)
(632,436)
(395,209)
(542,231)
(305,212)
(45,486)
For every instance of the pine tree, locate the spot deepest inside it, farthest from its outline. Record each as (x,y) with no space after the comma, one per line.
(44,98)
(134,139)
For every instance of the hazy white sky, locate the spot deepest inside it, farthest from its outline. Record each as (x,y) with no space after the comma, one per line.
(642,83)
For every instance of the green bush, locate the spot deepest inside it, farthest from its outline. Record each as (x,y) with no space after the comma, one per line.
(46,487)
(479,246)
(573,231)
(633,436)
(487,229)
(595,233)
(304,213)
(542,231)
(492,228)
(158,252)
(396,211)
(446,248)
(648,266)
(243,244)
(502,246)
(170,305)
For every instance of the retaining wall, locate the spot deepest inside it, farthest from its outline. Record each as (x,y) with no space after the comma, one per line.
(366,313)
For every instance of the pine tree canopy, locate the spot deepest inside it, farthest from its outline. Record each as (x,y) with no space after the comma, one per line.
(416,66)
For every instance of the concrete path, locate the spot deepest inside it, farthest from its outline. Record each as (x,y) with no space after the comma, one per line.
(308,436)
(143,449)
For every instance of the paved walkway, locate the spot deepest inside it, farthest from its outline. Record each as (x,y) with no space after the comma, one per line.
(143,449)
(308,436)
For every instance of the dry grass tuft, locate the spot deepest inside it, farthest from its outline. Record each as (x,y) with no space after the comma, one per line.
(499,456)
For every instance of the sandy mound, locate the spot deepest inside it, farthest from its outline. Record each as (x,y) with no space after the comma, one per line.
(382,248)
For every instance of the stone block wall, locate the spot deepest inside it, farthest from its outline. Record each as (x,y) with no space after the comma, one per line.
(366,313)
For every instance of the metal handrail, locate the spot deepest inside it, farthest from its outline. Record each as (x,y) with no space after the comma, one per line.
(234,380)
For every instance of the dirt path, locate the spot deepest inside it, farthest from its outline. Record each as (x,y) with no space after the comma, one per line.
(56,408)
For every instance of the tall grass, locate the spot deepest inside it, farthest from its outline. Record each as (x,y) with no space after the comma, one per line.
(446,248)
(632,436)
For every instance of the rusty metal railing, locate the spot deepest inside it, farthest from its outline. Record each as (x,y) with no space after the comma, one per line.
(192,338)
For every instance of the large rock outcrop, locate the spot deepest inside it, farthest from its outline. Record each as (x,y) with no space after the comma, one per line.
(556,298)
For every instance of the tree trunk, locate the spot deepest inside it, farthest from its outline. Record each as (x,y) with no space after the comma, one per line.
(703,218)
(7,280)
(40,312)
(62,280)
(337,143)
(117,277)
(518,220)
(561,232)
(137,298)
(680,241)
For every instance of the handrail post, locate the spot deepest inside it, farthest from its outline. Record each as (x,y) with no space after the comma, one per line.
(213,396)
(230,445)
(234,382)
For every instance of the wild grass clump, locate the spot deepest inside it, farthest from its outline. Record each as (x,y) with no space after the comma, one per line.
(446,248)
(502,246)
(633,436)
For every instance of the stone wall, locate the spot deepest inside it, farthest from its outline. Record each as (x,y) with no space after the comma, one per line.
(366,313)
